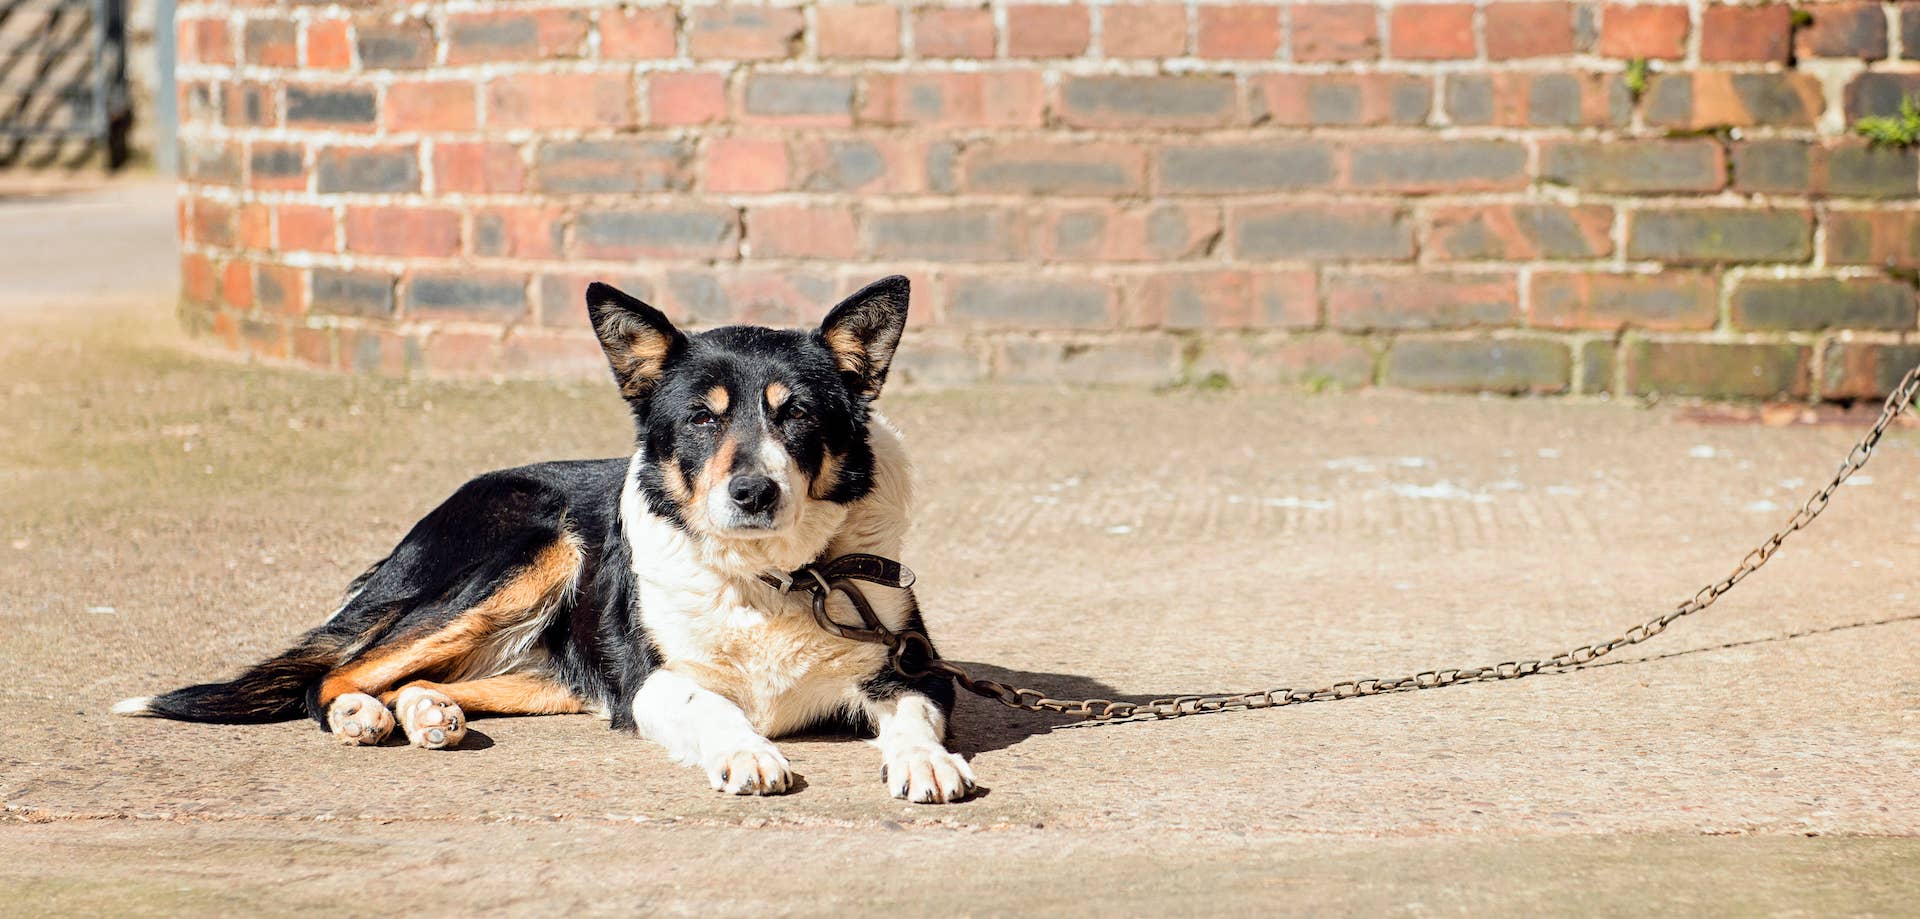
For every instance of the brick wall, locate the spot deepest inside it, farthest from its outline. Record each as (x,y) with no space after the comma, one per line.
(1504,196)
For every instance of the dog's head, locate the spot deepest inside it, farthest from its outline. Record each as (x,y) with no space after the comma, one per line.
(744,429)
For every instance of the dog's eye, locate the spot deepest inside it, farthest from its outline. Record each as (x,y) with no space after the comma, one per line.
(702,418)
(794,412)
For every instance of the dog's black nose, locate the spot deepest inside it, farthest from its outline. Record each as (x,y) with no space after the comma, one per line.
(755,494)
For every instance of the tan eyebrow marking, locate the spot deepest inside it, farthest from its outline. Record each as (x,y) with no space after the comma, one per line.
(717,399)
(777,395)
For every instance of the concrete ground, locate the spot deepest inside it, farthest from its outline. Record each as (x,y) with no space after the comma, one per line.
(166,517)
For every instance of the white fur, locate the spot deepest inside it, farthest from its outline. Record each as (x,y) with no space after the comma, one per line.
(745,662)
(138,706)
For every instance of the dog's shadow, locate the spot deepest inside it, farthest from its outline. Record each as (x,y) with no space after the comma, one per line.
(981,725)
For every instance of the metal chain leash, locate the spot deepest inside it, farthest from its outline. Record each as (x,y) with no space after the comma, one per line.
(1109,710)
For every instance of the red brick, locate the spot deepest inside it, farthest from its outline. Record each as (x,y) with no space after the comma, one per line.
(1878,237)
(628,34)
(413,231)
(1238,32)
(196,278)
(744,32)
(518,35)
(777,297)
(560,100)
(979,99)
(313,347)
(227,329)
(518,232)
(1335,32)
(304,227)
(1747,33)
(746,164)
(1431,31)
(273,43)
(478,167)
(329,47)
(254,226)
(1143,31)
(253,105)
(1644,31)
(686,98)
(1520,30)
(858,31)
(212,223)
(801,232)
(947,32)
(431,105)
(1519,98)
(264,339)
(1048,31)
(1855,30)
(236,286)
(205,41)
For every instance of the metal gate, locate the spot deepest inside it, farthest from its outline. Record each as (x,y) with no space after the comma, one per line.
(63,94)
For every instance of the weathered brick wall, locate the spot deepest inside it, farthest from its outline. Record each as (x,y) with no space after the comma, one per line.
(1507,196)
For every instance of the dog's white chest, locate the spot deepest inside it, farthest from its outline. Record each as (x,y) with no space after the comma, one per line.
(764,653)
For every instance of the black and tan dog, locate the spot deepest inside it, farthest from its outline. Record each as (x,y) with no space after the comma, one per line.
(632,588)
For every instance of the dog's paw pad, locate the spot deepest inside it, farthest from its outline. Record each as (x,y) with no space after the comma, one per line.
(928,775)
(359,720)
(432,721)
(755,770)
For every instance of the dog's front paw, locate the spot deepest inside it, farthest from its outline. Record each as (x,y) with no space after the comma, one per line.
(754,768)
(927,775)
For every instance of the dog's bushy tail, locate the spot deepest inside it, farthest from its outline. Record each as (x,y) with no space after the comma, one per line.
(275,689)
(272,690)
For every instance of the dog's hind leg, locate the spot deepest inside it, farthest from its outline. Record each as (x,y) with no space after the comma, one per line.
(434,714)
(488,628)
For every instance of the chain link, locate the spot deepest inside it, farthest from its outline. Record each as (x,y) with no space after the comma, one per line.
(1110,710)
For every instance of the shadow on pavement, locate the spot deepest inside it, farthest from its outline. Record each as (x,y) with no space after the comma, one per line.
(985,726)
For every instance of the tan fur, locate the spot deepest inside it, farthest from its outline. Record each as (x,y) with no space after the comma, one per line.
(849,351)
(777,395)
(829,477)
(782,670)
(510,694)
(718,399)
(530,592)
(714,473)
(638,359)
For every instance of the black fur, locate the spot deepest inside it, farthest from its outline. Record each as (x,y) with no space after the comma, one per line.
(494,526)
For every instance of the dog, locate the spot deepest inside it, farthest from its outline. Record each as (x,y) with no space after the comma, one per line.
(647,589)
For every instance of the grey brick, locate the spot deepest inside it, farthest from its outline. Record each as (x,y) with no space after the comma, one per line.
(1309,232)
(1873,172)
(949,234)
(1147,101)
(490,297)
(315,105)
(1478,365)
(1030,302)
(1245,167)
(1439,166)
(349,169)
(1780,305)
(611,166)
(1634,167)
(1720,235)
(686,232)
(799,95)
(352,293)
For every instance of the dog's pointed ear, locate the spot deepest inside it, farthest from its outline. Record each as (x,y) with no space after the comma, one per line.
(638,339)
(864,330)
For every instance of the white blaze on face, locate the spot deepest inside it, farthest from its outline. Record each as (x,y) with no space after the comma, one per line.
(772,461)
